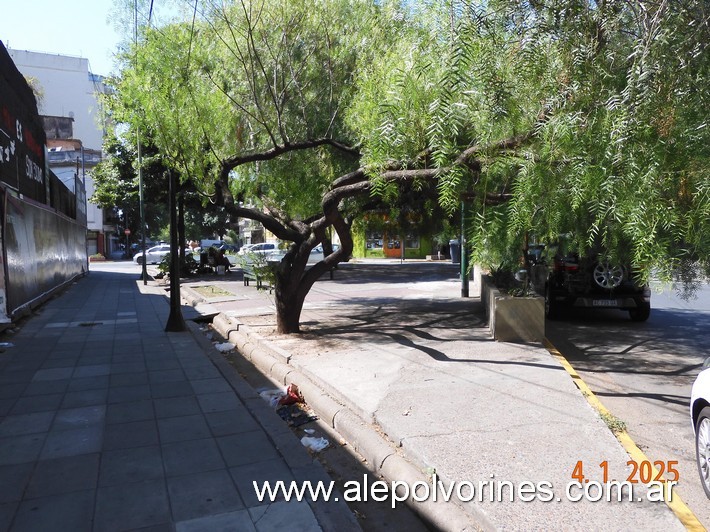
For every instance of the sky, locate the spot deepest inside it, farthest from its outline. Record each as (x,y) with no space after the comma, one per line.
(79,28)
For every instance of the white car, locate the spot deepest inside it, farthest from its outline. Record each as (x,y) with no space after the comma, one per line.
(155,254)
(700,416)
(262,249)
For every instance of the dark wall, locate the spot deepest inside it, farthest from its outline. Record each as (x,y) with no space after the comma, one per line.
(43,250)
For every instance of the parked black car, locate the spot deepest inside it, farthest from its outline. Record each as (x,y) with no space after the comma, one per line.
(568,280)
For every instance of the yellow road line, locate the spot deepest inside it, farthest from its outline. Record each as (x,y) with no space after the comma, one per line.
(676,504)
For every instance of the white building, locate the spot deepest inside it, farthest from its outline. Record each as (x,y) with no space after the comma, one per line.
(68,89)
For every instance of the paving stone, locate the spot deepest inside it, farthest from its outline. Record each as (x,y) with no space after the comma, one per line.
(125,466)
(218,402)
(72,442)
(171,389)
(73,510)
(132,411)
(88,383)
(231,422)
(207,386)
(82,417)
(26,424)
(229,522)
(128,394)
(132,434)
(291,515)
(267,471)
(20,449)
(13,480)
(37,403)
(63,475)
(202,494)
(183,428)
(131,506)
(176,406)
(247,447)
(85,398)
(194,456)
(46,387)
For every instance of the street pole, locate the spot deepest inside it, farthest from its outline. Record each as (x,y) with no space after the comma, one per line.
(464,251)
(176,323)
(144,270)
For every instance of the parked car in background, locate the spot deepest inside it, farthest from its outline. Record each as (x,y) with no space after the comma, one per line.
(155,254)
(315,256)
(265,248)
(569,280)
(228,248)
(700,419)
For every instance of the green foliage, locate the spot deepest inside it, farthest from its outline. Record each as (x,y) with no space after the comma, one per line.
(578,117)
(188,265)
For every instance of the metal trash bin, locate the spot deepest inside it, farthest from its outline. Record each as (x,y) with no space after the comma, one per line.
(455,250)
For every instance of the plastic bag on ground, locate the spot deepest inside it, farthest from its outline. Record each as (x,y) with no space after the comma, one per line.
(314,444)
(223,348)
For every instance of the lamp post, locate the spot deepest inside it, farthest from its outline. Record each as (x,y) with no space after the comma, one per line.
(466,197)
(176,323)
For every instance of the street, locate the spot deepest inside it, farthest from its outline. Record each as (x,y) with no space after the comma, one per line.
(643,373)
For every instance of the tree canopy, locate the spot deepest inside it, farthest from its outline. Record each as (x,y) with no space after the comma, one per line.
(586,117)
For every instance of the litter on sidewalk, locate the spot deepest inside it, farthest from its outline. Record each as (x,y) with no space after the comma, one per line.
(224,347)
(314,444)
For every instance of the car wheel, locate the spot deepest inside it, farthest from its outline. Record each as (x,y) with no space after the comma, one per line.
(702,448)
(607,276)
(552,307)
(139,260)
(640,313)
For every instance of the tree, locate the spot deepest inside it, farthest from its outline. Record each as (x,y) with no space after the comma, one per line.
(554,116)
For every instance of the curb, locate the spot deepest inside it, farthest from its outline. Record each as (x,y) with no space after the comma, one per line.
(381,455)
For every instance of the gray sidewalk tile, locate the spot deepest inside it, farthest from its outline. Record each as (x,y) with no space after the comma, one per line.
(46,387)
(202,494)
(63,475)
(127,412)
(88,383)
(72,442)
(92,370)
(71,511)
(13,480)
(12,391)
(285,516)
(128,379)
(130,368)
(166,375)
(218,402)
(206,386)
(202,372)
(53,374)
(85,398)
(183,428)
(131,506)
(7,513)
(246,448)
(126,466)
(268,471)
(37,403)
(176,406)
(193,456)
(239,521)
(231,422)
(132,434)
(128,394)
(26,424)
(20,449)
(163,390)
(83,417)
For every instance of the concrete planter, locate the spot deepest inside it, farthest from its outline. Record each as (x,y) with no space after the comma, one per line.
(513,319)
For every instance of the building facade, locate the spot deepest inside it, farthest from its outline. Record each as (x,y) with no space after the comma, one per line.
(69,91)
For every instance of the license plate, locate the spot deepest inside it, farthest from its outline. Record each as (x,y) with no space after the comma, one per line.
(605,303)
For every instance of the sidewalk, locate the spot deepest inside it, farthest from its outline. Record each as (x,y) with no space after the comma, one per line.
(406,371)
(109,423)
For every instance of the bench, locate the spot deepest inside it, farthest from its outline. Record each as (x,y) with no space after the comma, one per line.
(250,274)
